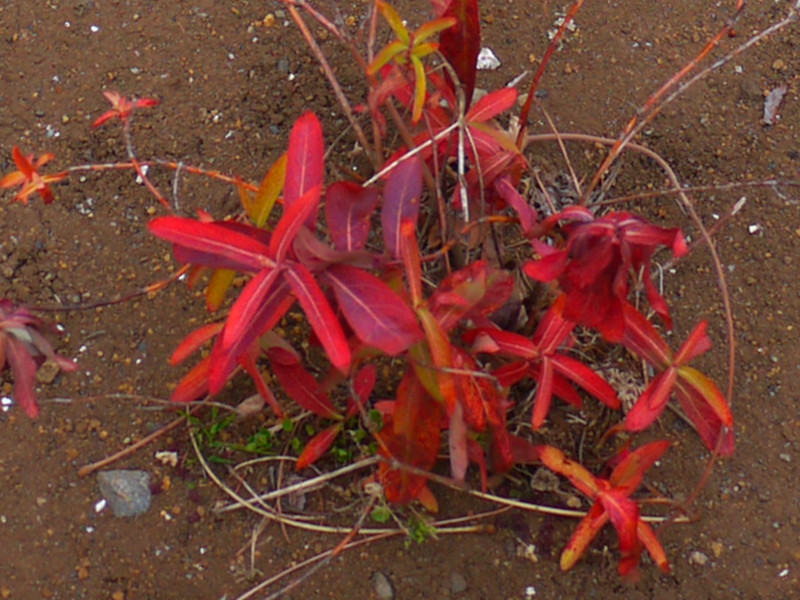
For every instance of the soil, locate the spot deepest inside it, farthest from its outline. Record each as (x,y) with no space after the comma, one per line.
(231,84)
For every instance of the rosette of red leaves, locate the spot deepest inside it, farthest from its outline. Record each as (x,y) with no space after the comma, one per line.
(594,266)
(24,349)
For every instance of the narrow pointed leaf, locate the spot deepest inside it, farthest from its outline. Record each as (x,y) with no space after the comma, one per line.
(579,476)
(651,402)
(648,538)
(628,474)
(23,367)
(194,384)
(268,192)
(696,344)
(587,379)
(303,388)
(318,446)
(461,43)
(643,339)
(707,408)
(294,217)
(305,167)
(544,394)
(234,249)
(219,284)
(624,515)
(457,444)
(401,197)
(320,315)
(192,342)
(583,535)
(394,21)
(492,104)
(248,362)
(259,307)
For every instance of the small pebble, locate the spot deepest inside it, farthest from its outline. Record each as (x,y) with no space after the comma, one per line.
(698,558)
(383,587)
(785,457)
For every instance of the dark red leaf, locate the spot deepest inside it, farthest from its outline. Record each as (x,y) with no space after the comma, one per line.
(377,314)
(401,196)
(194,340)
(475,290)
(303,388)
(348,208)
(23,368)
(461,43)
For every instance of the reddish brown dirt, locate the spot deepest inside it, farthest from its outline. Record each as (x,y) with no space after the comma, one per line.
(230,92)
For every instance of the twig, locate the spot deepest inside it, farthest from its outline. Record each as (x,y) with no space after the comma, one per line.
(91,468)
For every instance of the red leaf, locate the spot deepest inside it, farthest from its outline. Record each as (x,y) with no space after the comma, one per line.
(305,167)
(413,439)
(260,305)
(548,267)
(544,394)
(303,388)
(527,213)
(461,43)
(248,361)
(643,339)
(652,401)
(707,408)
(318,446)
(587,379)
(194,340)
(320,315)
(194,384)
(348,208)
(377,314)
(624,515)
(401,195)
(554,459)
(583,535)
(491,105)
(628,474)
(492,341)
(294,216)
(696,344)
(221,246)
(363,383)
(648,538)
(24,369)
(475,290)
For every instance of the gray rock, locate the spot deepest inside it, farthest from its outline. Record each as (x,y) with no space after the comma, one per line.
(128,492)
(383,587)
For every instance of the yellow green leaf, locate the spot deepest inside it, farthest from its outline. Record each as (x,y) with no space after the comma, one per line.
(268,192)
(395,22)
(384,56)
(218,285)
(432,28)
(419,89)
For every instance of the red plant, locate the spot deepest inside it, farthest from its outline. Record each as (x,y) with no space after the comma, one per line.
(700,398)
(122,107)
(24,349)
(612,503)
(594,267)
(552,370)
(28,177)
